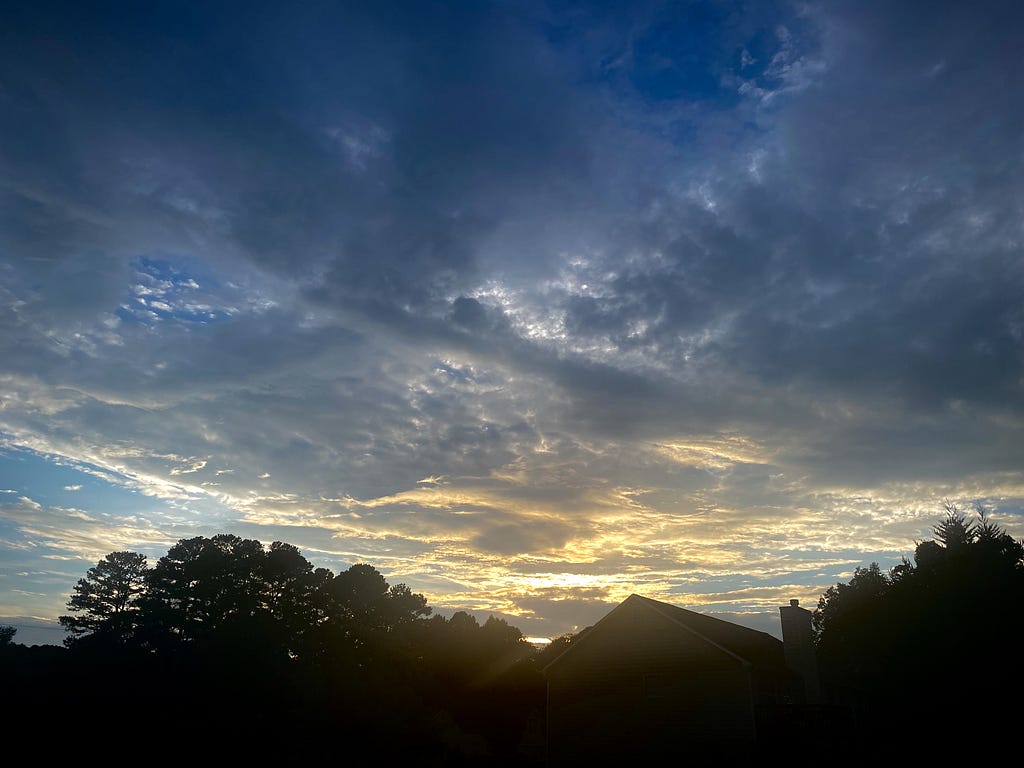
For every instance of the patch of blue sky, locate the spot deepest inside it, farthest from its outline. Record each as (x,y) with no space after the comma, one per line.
(1014,507)
(694,52)
(672,60)
(179,290)
(10,531)
(58,482)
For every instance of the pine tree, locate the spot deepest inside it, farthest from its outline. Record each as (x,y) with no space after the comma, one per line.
(105,603)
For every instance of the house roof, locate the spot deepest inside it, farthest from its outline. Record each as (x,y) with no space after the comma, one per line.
(748,646)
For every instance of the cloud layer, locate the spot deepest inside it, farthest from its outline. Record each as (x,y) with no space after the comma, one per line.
(529,305)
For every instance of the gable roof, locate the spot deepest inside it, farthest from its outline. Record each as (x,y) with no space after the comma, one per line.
(748,646)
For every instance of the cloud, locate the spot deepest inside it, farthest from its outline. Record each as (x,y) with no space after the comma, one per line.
(534,305)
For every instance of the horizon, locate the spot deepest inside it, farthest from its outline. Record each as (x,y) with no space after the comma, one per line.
(33,631)
(531,306)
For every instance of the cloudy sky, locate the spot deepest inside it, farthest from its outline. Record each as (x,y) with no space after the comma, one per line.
(529,305)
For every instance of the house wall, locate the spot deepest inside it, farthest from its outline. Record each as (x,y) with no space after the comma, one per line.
(643,685)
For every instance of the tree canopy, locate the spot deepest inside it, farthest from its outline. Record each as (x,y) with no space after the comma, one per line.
(939,633)
(224,591)
(231,636)
(105,604)
(229,633)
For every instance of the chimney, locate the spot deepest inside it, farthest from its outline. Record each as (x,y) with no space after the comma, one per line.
(798,647)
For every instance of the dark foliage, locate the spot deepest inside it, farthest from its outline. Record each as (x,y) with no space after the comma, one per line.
(930,642)
(105,606)
(254,654)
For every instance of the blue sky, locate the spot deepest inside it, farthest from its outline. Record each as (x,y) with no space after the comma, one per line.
(529,305)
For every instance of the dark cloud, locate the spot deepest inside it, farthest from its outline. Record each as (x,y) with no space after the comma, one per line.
(520,538)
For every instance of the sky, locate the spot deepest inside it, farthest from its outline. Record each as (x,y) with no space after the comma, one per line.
(529,305)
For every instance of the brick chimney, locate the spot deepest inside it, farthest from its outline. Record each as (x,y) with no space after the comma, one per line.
(798,647)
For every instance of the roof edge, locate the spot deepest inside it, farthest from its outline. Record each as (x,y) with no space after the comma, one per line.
(591,628)
(657,607)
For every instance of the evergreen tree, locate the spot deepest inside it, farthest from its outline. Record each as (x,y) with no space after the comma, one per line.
(940,634)
(105,605)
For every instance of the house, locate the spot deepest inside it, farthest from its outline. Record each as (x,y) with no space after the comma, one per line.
(651,679)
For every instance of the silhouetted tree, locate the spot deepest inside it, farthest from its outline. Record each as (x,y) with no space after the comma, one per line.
(227,591)
(365,617)
(401,607)
(7,634)
(200,586)
(235,637)
(294,596)
(499,633)
(556,647)
(483,676)
(842,608)
(362,596)
(938,634)
(105,606)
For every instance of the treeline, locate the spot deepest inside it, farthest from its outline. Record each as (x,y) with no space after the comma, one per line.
(253,652)
(928,653)
(226,649)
